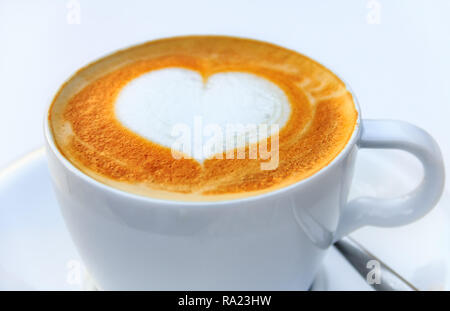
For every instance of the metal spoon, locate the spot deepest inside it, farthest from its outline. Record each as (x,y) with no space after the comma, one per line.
(358,256)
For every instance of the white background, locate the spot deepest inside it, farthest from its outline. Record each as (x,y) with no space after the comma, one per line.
(395,57)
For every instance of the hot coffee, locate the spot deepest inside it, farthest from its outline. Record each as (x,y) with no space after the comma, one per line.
(120,119)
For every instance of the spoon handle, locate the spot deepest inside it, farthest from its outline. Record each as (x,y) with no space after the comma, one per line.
(382,277)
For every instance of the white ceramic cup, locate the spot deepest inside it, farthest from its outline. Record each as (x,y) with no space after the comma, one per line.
(274,241)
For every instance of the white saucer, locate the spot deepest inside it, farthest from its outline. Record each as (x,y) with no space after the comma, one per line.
(36,252)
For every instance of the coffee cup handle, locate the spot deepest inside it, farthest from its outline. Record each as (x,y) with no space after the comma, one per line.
(367,211)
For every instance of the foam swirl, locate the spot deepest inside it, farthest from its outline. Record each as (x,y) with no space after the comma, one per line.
(153,104)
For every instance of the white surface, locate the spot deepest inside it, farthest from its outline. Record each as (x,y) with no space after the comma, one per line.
(37,252)
(164,105)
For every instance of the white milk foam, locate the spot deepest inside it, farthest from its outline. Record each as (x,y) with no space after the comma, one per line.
(161,104)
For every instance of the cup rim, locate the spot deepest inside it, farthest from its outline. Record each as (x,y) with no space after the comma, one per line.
(246,199)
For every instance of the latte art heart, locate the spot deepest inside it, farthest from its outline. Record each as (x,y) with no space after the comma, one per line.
(125,119)
(161,103)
